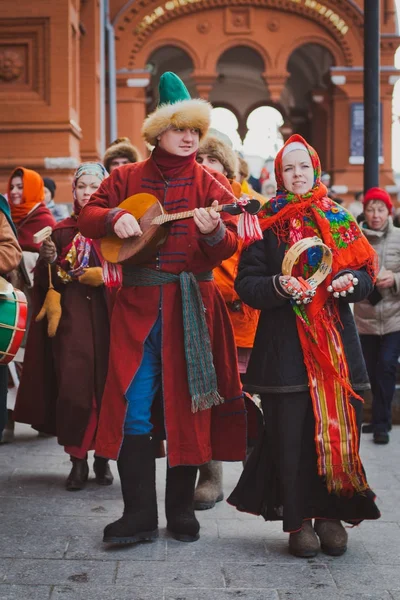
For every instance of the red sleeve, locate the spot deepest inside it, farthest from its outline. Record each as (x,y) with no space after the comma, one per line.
(221,243)
(98,217)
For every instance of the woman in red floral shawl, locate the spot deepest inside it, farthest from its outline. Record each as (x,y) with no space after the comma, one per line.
(307,363)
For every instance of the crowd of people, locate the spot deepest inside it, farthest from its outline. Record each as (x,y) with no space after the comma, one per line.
(198,348)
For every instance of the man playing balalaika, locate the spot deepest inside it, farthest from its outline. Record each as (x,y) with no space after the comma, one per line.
(173,369)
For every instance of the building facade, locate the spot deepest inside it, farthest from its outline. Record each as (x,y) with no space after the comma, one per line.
(59,104)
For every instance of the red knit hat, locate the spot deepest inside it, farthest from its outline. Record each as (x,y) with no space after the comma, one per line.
(378,194)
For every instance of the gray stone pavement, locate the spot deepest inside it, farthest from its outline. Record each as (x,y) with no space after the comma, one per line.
(51,549)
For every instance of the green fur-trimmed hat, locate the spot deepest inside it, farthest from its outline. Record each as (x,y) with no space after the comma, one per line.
(176,109)
(217,148)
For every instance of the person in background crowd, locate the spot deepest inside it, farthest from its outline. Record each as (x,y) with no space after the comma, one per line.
(268,189)
(243,177)
(67,371)
(356,207)
(59,211)
(243,174)
(396,216)
(326,180)
(25,194)
(10,256)
(378,316)
(264,175)
(306,363)
(120,152)
(28,210)
(153,346)
(255,183)
(215,154)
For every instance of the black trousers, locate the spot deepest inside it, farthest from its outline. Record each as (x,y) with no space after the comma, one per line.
(381,354)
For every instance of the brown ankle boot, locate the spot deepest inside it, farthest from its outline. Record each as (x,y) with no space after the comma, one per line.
(209,488)
(79,474)
(332,535)
(304,543)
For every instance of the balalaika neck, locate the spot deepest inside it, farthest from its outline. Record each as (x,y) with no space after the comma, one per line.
(166,218)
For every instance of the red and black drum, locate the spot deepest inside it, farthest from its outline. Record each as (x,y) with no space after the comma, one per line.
(13,317)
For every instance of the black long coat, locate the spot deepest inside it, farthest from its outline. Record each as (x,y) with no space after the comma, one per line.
(276,364)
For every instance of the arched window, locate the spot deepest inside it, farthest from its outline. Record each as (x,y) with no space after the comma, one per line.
(263,139)
(263,135)
(167,58)
(224,120)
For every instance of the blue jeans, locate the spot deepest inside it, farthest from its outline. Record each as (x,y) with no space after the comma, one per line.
(145,385)
(381,354)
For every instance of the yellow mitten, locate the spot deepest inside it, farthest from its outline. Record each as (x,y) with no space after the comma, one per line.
(92,276)
(52,310)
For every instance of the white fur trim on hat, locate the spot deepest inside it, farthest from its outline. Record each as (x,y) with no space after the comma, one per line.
(195,113)
(294,146)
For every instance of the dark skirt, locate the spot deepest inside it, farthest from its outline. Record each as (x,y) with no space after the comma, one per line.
(280,479)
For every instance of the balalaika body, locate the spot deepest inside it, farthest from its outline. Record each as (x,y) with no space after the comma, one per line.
(154,223)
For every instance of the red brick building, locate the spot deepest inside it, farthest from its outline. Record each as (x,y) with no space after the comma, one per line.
(301,56)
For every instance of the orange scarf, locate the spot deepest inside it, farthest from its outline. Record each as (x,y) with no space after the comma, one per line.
(32,195)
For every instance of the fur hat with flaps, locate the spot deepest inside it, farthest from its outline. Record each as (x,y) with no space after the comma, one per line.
(176,109)
(121,148)
(213,146)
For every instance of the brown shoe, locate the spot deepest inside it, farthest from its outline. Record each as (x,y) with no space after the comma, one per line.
(332,535)
(304,543)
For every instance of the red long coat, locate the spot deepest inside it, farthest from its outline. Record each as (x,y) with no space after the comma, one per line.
(68,371)
(218,433)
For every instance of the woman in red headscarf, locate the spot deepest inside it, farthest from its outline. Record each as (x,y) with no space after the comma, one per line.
(307,363)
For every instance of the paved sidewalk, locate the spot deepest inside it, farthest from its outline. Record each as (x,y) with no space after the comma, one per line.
(51,549)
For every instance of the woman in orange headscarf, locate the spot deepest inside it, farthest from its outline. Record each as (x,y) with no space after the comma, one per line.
(307,363)
(28,211)
(26,198)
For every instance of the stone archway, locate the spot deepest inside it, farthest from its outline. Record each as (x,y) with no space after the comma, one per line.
(239,82)
(168,58)
(301,56)
(306,97)
(341,20)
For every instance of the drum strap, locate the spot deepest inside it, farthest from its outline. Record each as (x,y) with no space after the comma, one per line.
(202,378)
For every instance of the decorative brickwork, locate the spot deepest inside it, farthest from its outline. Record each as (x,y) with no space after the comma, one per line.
(24,60)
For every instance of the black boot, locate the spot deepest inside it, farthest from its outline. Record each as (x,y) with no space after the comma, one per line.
(102,471)
(137,470)
(179,503)
(79,474)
